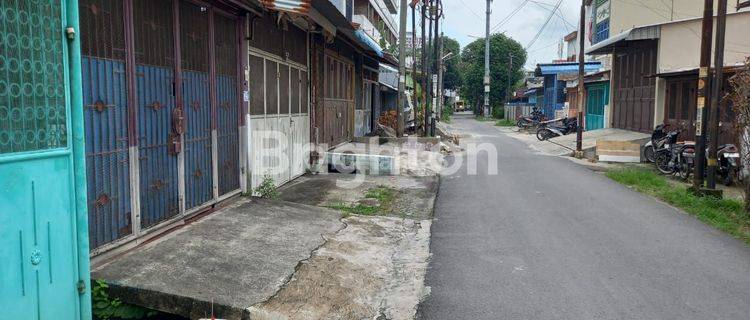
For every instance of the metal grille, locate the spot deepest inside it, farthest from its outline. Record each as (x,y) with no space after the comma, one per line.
(225,30)
(304,88)
(256,85)
(266,35)
(32,76)
(154,41)
(284,89)
(272,99)
(194,48)
(154,54)
(228,109)
(106,121)
(194,37)
(103,21)
(295,41)
(294,90)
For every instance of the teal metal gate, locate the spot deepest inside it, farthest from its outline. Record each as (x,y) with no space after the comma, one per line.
(43,220)
(597,98)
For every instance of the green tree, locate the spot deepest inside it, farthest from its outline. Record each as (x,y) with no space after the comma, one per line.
(452,75)
(472,68)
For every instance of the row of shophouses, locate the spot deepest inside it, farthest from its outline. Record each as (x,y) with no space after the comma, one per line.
(120,119)
(641,70)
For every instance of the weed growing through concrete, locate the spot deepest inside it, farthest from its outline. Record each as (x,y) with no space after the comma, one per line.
(383,194)
(267,188)
(724,214)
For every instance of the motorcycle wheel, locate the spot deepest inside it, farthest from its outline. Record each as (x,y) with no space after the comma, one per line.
(648,153)
(542,134)
(521,124)
(662,163)
(729,175)
(685,170)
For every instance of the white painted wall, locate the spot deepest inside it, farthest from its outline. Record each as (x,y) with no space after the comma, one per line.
(679,44)
(626,14)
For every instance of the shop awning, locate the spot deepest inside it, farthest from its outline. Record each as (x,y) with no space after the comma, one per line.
(619,40)
(565,68)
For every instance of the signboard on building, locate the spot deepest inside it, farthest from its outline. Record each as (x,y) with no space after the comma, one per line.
(602,11)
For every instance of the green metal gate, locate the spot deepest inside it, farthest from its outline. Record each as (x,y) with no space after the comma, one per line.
(43,221)
(597,98)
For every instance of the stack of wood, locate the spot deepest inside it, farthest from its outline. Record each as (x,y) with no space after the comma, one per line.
(389,119)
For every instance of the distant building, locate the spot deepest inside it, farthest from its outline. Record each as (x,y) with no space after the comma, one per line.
(411,45)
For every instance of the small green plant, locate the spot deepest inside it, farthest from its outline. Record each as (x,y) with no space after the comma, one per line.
(505,123)
(383,194)
(103,307)
(723,214)
(498,112)
(360,209)
(267,188)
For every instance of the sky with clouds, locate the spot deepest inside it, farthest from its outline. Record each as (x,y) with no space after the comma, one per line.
(464,20)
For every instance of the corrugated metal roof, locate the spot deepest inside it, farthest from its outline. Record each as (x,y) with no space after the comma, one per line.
(634,34)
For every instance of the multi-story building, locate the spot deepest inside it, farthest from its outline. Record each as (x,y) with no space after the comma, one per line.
(608,18)
(374,17)
(411,42)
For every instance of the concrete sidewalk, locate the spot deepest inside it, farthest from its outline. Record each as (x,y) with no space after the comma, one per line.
(274,259)
(236,258)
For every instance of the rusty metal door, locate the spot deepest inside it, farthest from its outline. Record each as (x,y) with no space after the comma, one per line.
(194,49)
(106,114)
(154,78)
(633,100)
(227,99)
(338,100)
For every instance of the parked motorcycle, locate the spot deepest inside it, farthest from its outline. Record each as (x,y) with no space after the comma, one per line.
(658,139)
(673,158)
(727,158)
(568,125)
(532,120)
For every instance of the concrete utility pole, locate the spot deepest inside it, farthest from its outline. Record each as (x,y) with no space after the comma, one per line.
(441,66)
(581,87)
(424,68)
(703,91)
(510,78)
(713,129)
(414,59)
(428,68)
(487,63)
(436,64)
(401,68)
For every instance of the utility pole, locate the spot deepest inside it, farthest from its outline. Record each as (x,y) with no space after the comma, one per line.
(428,70)
(441,66)
(424,67)
(508,94)
(435,63)
(713,129)
(414,58)
(487,63)
(703,94)
(581,87)
(401,68)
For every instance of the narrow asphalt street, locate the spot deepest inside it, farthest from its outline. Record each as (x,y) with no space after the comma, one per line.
(546,238)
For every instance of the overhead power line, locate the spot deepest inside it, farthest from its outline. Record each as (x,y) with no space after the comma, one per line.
(509,16)
(531,43)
